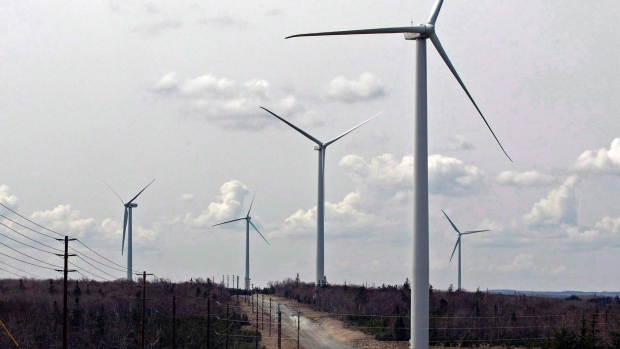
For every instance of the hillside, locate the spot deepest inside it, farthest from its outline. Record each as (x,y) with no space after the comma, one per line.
(469,318)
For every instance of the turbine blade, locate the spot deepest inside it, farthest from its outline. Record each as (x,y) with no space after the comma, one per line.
(443,55)
(251,203)
(435,12)
(124,228)
(135,197)
(453,226)
(351,130)
(118,196)
(259,232)
(413,29)
(295,127)
(457,243)
(475,231)
(234,220)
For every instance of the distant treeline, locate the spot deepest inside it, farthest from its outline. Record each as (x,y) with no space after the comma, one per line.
(108,314)
(461,318)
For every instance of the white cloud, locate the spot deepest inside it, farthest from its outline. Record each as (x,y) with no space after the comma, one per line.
(343,219)
(558,207)
(520,263)
(230,104)
(367,87)
(451,176)
(157,26)
(604,161)
(379,206)
(524,179)
(8,199)
(168,83)
(187,197)
(463,143)
(229,207)
(384,173)
(65,220)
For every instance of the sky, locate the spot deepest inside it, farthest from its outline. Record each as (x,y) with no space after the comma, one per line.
(127,92)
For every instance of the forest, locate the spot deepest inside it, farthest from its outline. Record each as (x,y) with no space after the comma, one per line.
(109,314)
(469,319)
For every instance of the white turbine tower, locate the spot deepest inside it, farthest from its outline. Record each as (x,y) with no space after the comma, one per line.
(248,222)
(420,260)
(458,243)
(127,221)
(320,211)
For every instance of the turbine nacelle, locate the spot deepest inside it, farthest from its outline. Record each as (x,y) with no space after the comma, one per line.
(131,205)
(429,29)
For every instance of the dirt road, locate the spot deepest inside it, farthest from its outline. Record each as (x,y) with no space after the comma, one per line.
(317,329)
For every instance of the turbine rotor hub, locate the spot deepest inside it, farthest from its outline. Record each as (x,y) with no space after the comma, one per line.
(430,29)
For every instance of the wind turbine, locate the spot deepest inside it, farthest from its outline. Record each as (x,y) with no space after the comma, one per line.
(458,243)
(420,260)
(320,211)
(128,222)
(248,222)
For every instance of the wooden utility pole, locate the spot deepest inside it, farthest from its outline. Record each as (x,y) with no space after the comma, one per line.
(269,317)
(10,335)
(208,322)
(65,272)
(298,326)
(174,321)
(227,306)
(279,327)
(144,274)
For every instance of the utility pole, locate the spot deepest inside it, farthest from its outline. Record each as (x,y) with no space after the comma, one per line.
(257,335)
(144,274)
(279,327)
(227,307)
(65,272)
(269,317)
(208,322)
(174,321)
(298,326)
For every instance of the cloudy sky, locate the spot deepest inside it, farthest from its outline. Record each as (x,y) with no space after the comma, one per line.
(124,92)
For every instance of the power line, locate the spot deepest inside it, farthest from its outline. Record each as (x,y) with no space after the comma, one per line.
(36,248)
(86,277)
(40,266)
(52,231)
(38,260)
(85,261)
(25,227)
(20,276)
(93,251)
(38,225)
(23,271)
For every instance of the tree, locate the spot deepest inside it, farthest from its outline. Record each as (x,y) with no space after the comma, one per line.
(51,288)
(77,291)
(407,285)
(564,339)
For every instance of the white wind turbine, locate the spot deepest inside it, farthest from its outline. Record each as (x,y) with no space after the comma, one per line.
(127,221)
(248,222)
(320,211)
(420,260)
(458,243)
